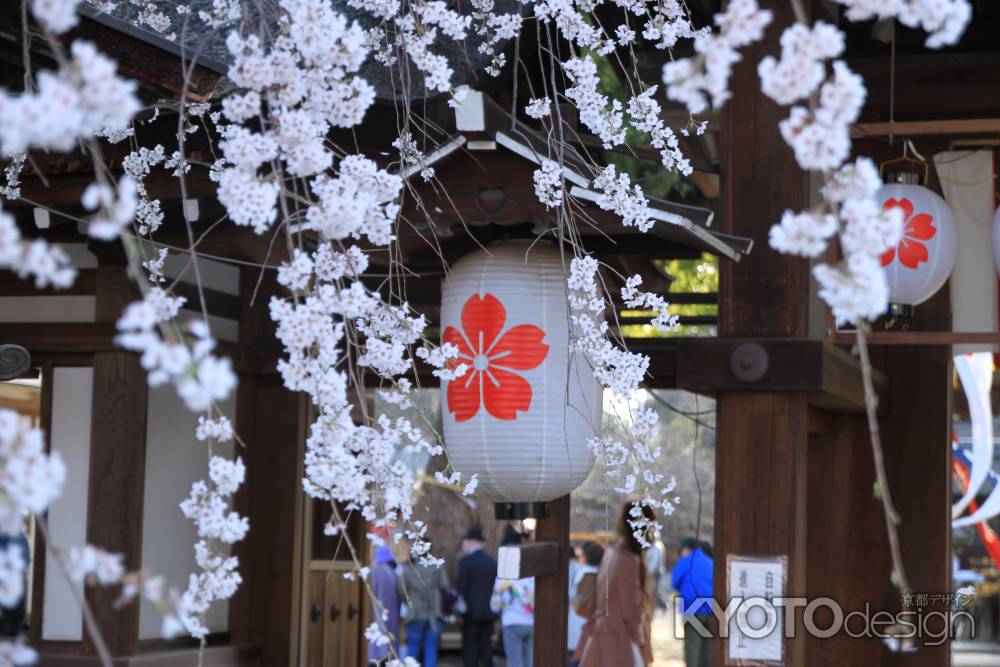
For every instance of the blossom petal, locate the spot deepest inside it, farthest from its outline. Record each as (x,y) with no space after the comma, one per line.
(505,394)
(463,395)
(921,226)
(521,348)
(904,204)
(911,253)
(455,337)
(482,317)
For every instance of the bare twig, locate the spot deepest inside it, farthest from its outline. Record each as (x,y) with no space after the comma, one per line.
(892,519)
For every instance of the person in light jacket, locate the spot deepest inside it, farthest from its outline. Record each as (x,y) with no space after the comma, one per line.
(421,589)
(514,601)
(618,634)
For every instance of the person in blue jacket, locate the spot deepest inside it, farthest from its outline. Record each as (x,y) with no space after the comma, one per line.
(692,579)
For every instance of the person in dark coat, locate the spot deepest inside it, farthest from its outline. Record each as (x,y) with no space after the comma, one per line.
(477,572)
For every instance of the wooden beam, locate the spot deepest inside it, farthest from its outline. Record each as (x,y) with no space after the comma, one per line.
(551,621)
(11,285)
(828,375)
(535,559)
(923,338)
(943,84)
(60,337)
(928,127)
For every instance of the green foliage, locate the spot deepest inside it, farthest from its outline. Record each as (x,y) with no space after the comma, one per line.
(687,275)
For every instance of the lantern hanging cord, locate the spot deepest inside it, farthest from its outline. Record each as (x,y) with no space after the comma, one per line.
(892,81)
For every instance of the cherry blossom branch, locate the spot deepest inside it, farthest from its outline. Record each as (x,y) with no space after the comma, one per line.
(892,518)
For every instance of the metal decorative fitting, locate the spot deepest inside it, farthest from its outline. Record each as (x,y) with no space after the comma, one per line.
(14,361)
(748,362)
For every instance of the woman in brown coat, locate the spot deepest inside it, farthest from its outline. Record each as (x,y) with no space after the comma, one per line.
(618,633)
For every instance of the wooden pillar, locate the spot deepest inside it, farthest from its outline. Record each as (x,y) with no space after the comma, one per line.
(270,420)
(916,435)
(848,553)
(760,507)
(117,464)
(552,590)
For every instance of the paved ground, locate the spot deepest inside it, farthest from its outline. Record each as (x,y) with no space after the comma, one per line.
(970,654)
(667,651)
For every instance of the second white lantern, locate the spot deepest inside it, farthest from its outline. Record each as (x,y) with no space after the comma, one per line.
(922,261)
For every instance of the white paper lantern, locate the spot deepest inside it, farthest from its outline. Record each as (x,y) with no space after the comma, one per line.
(923,260)
(521,415)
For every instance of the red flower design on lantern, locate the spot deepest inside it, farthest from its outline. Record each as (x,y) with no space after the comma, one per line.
(919,227)
(491,357)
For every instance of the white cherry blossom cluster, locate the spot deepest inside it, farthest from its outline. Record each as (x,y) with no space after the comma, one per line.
(355,464)
(411,156)
(493,29)
(442,359)
(208,506)
(944,20)
(11,188)
(820,136)
(73,103)
(13,562)
(137,165)
(645,113)
(703,80)
(200,377)
(626,200)
(667,23)
(115,207)
(633,297)
(218,579)
(44,263)
(308,80)
(628,461)
(801,69)
(538,107)
(56,16)
(90,564)
(602,116)
(412,28)
(30,479)
(17,653)
(615,368)
(549,183)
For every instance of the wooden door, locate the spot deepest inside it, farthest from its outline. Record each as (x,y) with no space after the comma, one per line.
(332,609)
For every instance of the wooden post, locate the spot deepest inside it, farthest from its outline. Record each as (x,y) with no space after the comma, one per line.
(270,420)
(117,465)
(760,507)
(552,590)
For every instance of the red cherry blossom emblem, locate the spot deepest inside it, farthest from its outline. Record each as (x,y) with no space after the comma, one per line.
(491,358)
(919,227)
